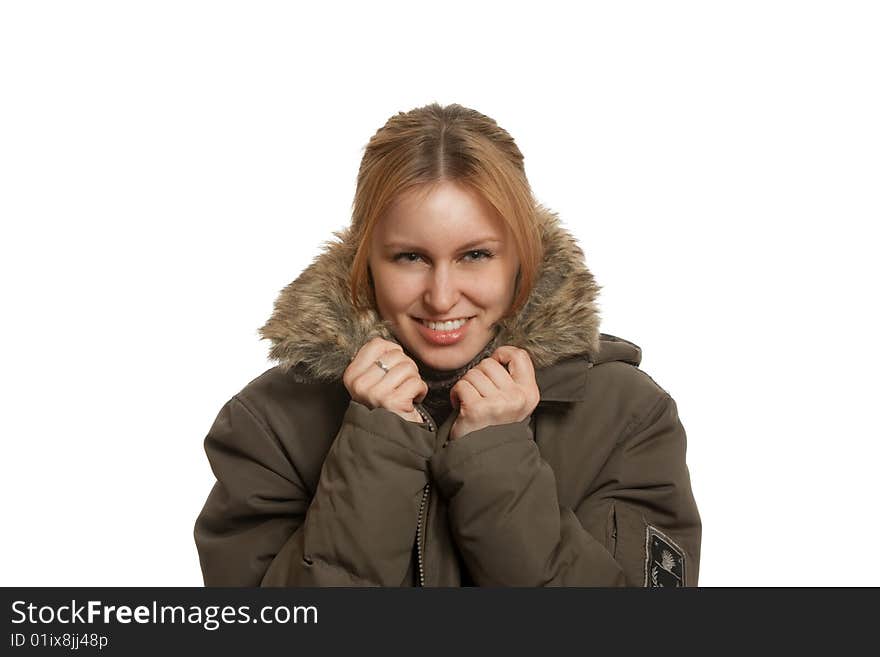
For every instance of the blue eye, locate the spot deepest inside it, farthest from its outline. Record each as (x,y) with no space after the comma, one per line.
(405,257)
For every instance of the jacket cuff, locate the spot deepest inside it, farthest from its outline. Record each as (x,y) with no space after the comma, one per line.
(448,463)
(387,425)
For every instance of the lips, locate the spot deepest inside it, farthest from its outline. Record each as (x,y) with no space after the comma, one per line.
(442,337)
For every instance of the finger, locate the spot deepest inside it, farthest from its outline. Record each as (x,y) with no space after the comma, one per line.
(464,393)
(402,371)
(518,362)
(496,372)
(370,352)
(377,346)
(366,374)
(481,382)
(521,370)
(366,367)
(407,394)
(423,393)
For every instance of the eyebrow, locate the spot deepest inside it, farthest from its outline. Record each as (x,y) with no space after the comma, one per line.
(463,247)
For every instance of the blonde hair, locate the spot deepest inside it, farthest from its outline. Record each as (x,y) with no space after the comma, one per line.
(431,144)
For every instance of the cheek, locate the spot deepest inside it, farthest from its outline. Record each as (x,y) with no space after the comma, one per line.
(495,289)
(394,291)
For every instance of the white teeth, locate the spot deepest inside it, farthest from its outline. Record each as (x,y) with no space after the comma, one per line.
(444,326)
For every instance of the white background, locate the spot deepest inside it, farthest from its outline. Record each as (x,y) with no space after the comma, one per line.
(167,167)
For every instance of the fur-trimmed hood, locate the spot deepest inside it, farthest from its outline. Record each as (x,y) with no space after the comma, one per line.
(315,328)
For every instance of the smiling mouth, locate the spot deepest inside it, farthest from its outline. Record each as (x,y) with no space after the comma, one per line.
(447,325)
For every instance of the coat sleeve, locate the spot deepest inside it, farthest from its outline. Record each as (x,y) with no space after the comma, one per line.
(260,527)
(511,530)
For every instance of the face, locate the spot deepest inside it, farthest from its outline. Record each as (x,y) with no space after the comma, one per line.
(446,257)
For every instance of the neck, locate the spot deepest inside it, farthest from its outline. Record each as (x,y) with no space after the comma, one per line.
(443,379)
(437,401)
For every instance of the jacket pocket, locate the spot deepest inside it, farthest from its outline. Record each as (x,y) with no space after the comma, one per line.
(611,530)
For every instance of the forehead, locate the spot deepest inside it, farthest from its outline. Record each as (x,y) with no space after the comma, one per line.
(444,213)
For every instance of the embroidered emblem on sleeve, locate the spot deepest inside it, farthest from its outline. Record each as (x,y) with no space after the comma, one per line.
(664,560)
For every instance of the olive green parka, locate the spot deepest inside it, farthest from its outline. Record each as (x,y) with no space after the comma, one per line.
(315,489)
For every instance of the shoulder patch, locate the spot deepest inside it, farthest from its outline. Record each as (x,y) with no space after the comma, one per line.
(664,560)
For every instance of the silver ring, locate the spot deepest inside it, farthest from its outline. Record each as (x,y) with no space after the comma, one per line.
(384,367)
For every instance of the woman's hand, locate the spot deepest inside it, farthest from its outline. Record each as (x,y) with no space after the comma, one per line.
(394,390)
(490,394)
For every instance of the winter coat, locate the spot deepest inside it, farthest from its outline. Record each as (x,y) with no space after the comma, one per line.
(316,489)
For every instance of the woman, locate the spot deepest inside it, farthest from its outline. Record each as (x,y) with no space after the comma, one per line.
(445,411)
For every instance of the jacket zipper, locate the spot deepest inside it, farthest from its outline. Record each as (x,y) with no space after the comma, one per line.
(426,491)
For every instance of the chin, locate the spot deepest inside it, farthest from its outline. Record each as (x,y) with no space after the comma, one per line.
(446,358)
(438,357)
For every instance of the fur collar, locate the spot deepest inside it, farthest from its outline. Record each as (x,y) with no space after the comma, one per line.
(315,329)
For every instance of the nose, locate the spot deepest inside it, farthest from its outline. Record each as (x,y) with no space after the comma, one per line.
(442,291)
